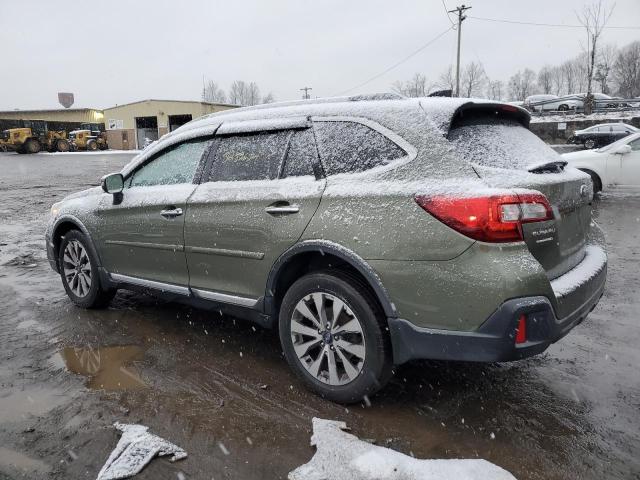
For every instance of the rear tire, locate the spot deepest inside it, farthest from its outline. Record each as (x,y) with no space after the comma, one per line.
(78,267)
(32,146)
(563,107)
(92,145)
(347,358)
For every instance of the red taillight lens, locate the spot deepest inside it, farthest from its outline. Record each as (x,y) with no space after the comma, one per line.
(493,218)
(521,331)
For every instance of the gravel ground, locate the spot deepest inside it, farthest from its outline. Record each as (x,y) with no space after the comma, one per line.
(220,388)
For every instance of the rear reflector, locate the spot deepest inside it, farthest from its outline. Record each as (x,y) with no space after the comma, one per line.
(493,218)
(521,331)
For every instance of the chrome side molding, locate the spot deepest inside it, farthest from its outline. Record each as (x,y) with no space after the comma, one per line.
(225,298)
(182,290)
(164,287)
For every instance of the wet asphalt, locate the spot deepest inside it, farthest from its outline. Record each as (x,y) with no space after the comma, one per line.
(220,387)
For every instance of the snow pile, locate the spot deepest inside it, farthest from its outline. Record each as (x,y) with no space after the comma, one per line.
(134,450)
(341,455)
(594,261)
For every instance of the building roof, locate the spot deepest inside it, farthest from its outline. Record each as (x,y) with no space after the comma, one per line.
(41,110)
(176,101)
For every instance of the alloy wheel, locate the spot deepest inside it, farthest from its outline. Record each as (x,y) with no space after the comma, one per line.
(328,338)
(77,268)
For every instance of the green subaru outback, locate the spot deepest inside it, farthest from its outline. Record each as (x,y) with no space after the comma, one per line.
(369,230)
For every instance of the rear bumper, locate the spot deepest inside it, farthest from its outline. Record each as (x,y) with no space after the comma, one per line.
(494,340)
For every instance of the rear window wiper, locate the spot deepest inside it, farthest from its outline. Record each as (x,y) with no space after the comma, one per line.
(556,166)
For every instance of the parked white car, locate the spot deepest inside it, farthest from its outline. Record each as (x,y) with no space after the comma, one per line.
(616,164)
(539,103)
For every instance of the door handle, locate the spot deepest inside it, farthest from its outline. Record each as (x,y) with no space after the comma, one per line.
(282,209)
(171,212)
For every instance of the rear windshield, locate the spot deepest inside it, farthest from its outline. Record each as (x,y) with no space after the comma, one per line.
(500,143)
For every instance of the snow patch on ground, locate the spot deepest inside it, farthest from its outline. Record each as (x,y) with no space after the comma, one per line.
(594,261)
(134,450)
(341,455)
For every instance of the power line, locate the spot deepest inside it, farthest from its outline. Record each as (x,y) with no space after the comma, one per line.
(444,5)
(501,20)
(437,37)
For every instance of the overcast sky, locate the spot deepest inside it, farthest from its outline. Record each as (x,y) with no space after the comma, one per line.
(119,51)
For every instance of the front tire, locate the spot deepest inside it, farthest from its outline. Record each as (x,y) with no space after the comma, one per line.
(563,108)
(78,267)
(589,144)
(62,145)
(32,146)
(334,337)
(92,145)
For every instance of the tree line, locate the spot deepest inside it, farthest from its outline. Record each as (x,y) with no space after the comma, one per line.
(616,72)
(240,93)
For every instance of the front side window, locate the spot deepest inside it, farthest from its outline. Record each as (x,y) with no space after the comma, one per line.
(348,147)
(173,166)
(635,145)
(255,156)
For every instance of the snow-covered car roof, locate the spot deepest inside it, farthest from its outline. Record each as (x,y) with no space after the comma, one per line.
(392,111)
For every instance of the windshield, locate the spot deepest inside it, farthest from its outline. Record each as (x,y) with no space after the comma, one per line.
(501,144)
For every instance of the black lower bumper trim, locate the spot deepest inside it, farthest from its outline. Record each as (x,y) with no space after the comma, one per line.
(494,341)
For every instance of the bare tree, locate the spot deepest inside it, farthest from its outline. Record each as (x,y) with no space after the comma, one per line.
(243,93)
(447,79)
(594,18)
(495,89)
(545,79)
(626,71)
(568,69)
(268,98)
(212,93)
(415,87)
(522,84)
(606,58)
(557,80)
(473,79)
(253,94)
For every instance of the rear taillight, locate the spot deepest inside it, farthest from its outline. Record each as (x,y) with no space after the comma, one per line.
(492,218)
(521,330)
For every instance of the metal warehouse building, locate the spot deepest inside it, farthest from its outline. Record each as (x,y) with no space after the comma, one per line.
(130,125)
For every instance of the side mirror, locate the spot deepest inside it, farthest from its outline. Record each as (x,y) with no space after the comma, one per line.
(623,149)
(112,183)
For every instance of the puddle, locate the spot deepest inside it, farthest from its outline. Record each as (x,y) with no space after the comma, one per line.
(107,368)
(12,460)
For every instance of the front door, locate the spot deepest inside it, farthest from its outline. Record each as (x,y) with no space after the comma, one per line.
(254,204)
(142,236)
(630,165)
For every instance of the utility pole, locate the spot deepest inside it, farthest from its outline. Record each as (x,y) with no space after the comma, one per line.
(306,95)
(460,11)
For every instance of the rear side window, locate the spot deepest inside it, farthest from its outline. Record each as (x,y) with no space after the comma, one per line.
(173,166)
(500,143)
(255,156)
(301,156)
(347,147)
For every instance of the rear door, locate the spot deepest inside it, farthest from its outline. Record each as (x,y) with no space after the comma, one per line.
(258,196)
(505,154)
(141,234)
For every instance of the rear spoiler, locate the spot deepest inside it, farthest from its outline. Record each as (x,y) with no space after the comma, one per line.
(470,110)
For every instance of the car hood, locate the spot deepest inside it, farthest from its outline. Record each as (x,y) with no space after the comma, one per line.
(83,193)
(581,155)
